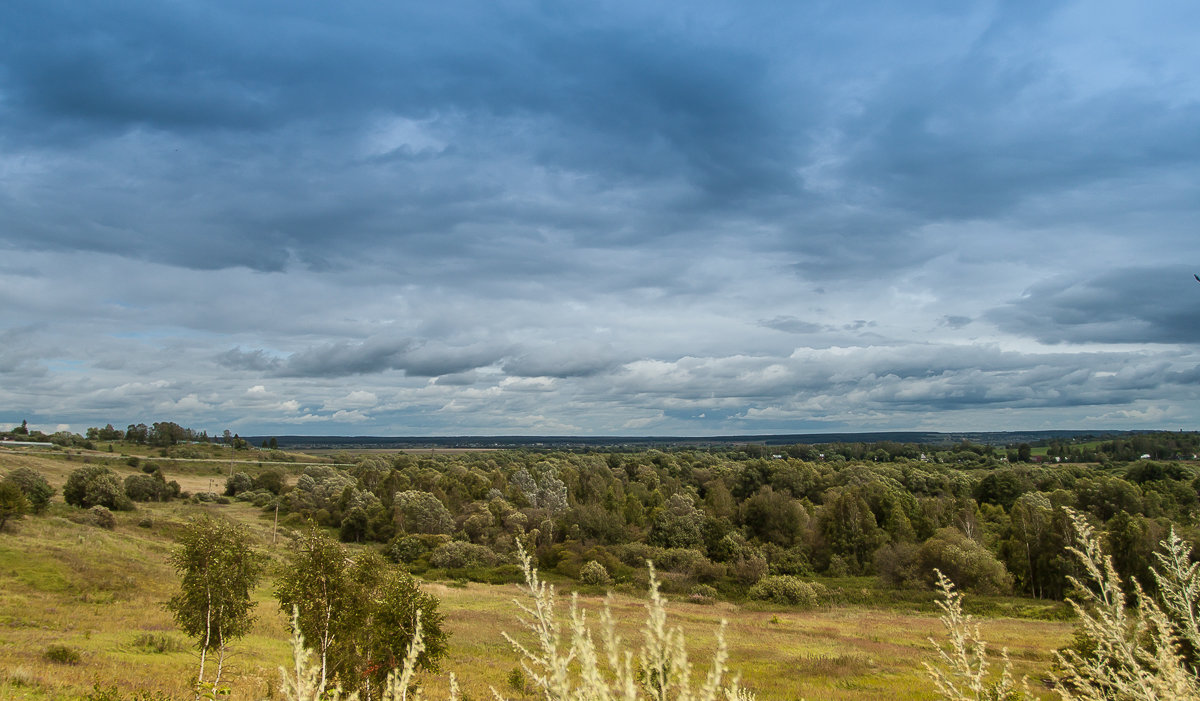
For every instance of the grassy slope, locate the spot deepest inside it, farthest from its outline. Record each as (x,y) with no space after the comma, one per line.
(98,591)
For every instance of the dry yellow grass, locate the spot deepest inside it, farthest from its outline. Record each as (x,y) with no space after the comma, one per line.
(841,653)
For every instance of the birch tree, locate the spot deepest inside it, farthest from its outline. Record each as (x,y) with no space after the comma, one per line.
(217,570)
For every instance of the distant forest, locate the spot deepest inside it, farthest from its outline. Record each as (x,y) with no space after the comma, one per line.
(993,438)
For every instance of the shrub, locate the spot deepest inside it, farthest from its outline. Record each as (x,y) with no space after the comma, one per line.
(259,497)
(102,517)
(458,554)
(36,489)
(788,590)
(95,485)
(682,560)
(237,483)
(406,549)
(516,680)
(898,565)
(112,693)
(273,481)
(594,573)
(158,643)
(702,594)
(964,561)
(749,568)
(62,654)
(147,488)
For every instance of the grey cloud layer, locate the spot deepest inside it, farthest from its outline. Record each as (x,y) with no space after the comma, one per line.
(599,218)
(1123,305)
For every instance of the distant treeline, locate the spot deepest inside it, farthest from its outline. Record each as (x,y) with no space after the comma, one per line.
(634,443)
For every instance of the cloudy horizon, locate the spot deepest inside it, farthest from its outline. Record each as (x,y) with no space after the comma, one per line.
(608,219)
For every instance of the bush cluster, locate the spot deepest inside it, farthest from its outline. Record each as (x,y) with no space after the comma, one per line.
(789,591)
(62,654)
(95,485)
(459,555)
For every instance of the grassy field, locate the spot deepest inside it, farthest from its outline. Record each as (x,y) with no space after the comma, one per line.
(100,593)
(1090,445)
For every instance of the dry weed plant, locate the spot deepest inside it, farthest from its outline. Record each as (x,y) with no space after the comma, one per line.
(567,665)
(1138,649)
(1137,652)
(965,674)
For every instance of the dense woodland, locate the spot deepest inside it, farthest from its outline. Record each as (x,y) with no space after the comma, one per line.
(724,522)
(728,519)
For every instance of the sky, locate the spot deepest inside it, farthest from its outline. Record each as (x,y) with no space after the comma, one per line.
(602,218)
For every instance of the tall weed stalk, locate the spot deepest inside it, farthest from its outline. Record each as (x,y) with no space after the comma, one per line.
(1139,645)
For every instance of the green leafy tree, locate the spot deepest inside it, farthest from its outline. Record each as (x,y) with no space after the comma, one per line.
(95,485)
(13,503)
(314,585)
(678,524)
(1033,544)
(147,487)
(848,530)
(421,512)
(395,607)
(774,517)
(217,570)
(35,487)
(964,561)
(359,612)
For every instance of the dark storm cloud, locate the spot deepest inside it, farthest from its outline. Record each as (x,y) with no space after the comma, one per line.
(256,360)
(689,128)
(380,354)
(1124,305)
(791,324)
(248,66)
(264,110)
